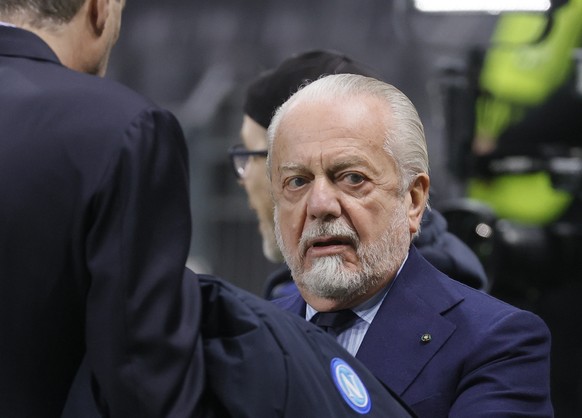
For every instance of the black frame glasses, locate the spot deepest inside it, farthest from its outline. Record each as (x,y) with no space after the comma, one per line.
(239,158)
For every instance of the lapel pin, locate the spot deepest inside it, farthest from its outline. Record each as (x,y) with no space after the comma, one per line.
(425,338)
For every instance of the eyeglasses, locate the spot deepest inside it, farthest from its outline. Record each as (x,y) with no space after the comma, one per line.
(239,158)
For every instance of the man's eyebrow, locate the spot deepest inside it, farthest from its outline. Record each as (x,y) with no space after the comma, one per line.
(295,167)
(348,162)
(339,165)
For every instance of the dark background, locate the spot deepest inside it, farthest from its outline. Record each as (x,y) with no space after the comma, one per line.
(195,58)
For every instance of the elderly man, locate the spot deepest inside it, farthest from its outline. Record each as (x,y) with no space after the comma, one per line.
(348,165)
(264,95)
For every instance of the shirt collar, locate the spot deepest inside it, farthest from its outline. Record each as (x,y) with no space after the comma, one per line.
(10,25)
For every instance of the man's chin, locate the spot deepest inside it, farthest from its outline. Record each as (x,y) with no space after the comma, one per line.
(338,261)
(328,277)
(333,294)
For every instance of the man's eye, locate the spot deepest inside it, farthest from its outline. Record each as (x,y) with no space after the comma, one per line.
(296,182)
(354,178)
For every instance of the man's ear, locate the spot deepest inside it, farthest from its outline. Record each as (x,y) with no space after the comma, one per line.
(98,12)
(418,199)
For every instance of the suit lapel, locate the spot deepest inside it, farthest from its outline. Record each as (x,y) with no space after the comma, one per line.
(409,327)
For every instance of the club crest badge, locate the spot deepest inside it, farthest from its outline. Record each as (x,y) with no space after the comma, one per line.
(350,386)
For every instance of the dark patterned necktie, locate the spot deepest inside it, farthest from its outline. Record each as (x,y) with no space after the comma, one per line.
(336,322)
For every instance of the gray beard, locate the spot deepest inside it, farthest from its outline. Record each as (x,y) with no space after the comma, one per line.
(329,278)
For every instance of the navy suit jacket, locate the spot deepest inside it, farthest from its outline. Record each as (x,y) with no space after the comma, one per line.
(484,358)
(94,235)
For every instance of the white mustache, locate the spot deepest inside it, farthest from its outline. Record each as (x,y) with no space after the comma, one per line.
(328,229)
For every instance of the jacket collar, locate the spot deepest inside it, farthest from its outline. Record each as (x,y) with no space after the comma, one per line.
(16,42)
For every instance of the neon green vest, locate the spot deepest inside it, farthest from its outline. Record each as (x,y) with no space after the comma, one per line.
(519,74)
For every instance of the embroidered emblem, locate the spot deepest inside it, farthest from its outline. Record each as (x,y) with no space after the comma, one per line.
(350,386)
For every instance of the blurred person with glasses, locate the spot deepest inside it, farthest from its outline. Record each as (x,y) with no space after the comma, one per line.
(240,157)
(249,167)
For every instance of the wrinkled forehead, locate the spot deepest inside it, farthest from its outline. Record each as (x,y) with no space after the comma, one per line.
(352,121)
(326,133)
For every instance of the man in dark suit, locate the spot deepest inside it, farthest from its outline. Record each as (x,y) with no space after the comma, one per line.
(349,174)
(94,224)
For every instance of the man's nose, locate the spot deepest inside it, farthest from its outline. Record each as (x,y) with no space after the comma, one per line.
(323,200)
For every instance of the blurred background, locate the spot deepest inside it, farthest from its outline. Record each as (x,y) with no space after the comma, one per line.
(196,57)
